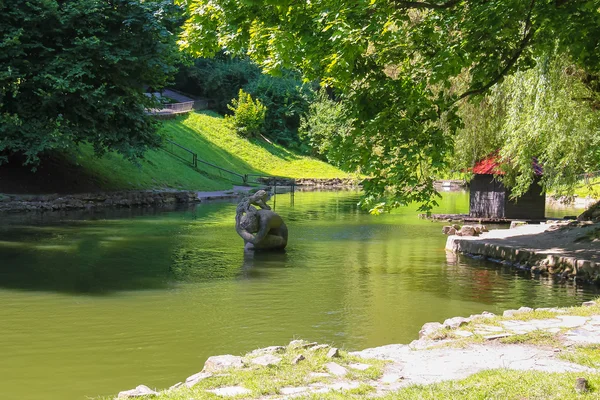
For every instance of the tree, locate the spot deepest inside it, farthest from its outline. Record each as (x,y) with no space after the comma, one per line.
(397,64)
(73,72)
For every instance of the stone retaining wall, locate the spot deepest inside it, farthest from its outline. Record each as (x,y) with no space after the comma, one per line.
(567,267)
(315,182)
(16,203)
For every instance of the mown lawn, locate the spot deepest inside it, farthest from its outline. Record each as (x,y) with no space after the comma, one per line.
(206,134)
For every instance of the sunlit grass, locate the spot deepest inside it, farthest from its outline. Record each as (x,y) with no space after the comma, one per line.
(206,134)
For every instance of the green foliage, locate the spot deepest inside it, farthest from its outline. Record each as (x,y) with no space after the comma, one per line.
(397,63)
(72,72)
(218,79)
(320,127)
(221,78)
(206,134)
(248,116)
(535,113)
(286,99)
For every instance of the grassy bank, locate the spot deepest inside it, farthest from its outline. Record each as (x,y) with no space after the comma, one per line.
(205,133)
(312,378)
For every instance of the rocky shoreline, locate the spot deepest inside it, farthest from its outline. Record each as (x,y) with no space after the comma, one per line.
(567,249)
(543,339)
(56,202)
(11,203)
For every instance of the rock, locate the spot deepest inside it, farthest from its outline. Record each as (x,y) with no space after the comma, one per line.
(451,231)
(318,375)
(467,230)
(456,227)
(299,358)
(359,366)
(512,313)
(267,350)
(509,313)
(194,379)
(429,328)
(390,378)
(456,322)
(266,361)
(220,363)
(333,352)
(446,229)
(139,391)
(498,336)
(320,347)
(589,304)
(581,385)
(336,369)
(516,224)
(301,344)
(286,391)
(462,333)
(230,391)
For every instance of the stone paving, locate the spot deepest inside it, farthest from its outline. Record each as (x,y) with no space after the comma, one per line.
(454,349)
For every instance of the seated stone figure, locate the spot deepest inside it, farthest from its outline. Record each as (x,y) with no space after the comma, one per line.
(261,229)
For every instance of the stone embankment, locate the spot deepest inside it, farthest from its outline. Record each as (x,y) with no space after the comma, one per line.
(570,249)
(544,339)
(313,182)
(55,202)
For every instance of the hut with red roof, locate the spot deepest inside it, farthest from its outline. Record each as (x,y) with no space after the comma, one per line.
(489,198)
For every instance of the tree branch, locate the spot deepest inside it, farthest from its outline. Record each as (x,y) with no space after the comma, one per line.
(426,5)
(528,34)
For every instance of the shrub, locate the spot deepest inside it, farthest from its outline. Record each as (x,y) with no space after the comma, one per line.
(324,122)
(286,99)
(248,116)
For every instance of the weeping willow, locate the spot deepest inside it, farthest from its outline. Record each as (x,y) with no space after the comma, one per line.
(549,112)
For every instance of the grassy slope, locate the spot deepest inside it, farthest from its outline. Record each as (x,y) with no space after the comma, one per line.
(206,134)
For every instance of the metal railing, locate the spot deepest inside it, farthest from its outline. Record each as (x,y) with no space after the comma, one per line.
(189,156)
(178,108)
(589,175)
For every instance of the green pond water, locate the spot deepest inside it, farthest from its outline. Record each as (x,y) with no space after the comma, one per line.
(92,304)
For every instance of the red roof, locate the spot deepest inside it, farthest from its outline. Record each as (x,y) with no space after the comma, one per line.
(492,166)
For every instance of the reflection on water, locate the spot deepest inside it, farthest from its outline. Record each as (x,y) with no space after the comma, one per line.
(91,306)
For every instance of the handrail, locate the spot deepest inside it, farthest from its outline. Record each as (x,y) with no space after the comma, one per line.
(244,177)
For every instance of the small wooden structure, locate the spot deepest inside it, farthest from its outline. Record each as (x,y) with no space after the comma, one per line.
(489,198)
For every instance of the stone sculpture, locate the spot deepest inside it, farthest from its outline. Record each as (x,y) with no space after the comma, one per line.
(261,229)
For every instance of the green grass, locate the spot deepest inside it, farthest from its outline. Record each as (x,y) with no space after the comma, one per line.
(592,190)
(538,337)
(206,134)
(503,385)
(266,381)
(583,355)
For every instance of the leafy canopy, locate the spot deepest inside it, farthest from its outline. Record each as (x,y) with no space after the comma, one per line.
(73,71)
(396,63)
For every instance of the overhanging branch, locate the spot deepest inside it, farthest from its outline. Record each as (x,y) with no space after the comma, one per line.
(427,5)
(529,32)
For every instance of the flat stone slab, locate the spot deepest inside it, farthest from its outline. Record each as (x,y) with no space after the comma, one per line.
(196,378)
(441,364)
(230,391)
(336,369)
(266,361)
(359,366)
(220,363)
(139,391)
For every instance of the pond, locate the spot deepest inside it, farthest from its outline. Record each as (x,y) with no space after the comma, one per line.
(97,303)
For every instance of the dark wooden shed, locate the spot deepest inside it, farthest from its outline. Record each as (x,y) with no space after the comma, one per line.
(489,198)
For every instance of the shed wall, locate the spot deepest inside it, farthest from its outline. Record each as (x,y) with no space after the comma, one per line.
(487,197)
(490,199)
